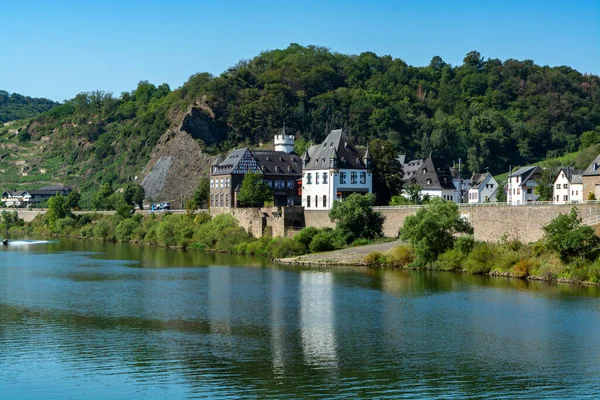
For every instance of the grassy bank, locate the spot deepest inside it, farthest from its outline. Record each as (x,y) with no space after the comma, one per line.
(194,231)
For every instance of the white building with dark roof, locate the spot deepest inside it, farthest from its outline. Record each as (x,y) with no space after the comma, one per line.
(568,186)
(483,188)
(435,181)
(333,170)
(521,185)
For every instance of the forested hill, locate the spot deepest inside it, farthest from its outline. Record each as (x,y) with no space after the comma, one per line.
(490,113)
(15,106)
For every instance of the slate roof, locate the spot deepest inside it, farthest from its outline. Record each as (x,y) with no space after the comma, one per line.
(525,173)
(573,175)
(50,190)
(477,179)
(424,173)
(337,145)
(594,168)
(278,163)
(270,162)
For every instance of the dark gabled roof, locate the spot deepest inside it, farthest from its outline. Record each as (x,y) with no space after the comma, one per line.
(278,163)
(477,179)
(231,162)
(338,145)
(525,173)
(267,162)
(50,190)
(594,168)
(573,175)
(218,160)
(423,173)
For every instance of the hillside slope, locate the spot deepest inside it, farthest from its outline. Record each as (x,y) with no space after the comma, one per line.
(490,113)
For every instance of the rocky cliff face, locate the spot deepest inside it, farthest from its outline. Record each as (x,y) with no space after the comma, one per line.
(177,162)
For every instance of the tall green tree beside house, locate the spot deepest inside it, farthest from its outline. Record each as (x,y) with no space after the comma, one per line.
(387,171)
(202,193)
(134,194)
(58,208)
(254,191)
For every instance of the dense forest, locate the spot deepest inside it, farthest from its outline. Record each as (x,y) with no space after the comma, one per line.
(490,113)
(15,106)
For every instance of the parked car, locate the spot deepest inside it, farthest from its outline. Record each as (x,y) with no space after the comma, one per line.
(165,205)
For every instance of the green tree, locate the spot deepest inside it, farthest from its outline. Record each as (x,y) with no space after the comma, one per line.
(254,191)
(571,239)
(356,218)
(134,194)
(412,192)
(57,208)
(101,200)
(387,170)
(545,188)
(73,199)
(202,193)
(433,230)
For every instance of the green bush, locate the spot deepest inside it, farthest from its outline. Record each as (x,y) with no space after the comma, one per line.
(375,259)
(229,238)
(401,256)
(321,242)
(124,231)
(481,259)
(464,244)
(87,231)
(104,229)
(64,226)
(451,260)
(523,268)
(305,236)
(286,247)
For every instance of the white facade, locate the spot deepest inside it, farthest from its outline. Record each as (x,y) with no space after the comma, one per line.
(284,143)
(521,187)
(568,188)
(321,187)
(446,194)
(484,191)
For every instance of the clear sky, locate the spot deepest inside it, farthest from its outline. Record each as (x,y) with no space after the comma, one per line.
(59,48)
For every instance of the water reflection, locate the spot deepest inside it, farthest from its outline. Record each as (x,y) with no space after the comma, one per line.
(317,319)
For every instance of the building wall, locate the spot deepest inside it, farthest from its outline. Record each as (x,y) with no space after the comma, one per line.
(577,192)
(562,190)
(591,184)
(332,187)
(519,191)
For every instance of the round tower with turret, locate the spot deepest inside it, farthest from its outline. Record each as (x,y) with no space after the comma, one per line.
(284,142)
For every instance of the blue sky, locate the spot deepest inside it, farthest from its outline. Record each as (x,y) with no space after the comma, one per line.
(57,49)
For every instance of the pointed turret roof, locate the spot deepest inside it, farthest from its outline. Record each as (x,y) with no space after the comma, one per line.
(367,155)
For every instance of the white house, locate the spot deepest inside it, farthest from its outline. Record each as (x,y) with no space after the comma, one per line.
(483,188)
(521,185)
(333,170)
(434,182)
(568,186)
(18,198)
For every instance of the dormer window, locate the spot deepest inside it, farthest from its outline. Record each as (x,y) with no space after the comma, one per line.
(425,171)
(429,181)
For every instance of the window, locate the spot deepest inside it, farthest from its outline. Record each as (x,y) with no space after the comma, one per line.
(307,201)
(212,200)
(353,177)
(212,184)
(325,178)
(291,184)
(529,191)
(316,201)
(222,199)
(558,185)
(226,199)
(324,201)
(221,183)
(557,198)
(317,176)
(566,197)
(518,191)
(363,178)
(342,178)
(227,182)
(429,181)
(577,192)
(279,184)
(309,179)
(565,186)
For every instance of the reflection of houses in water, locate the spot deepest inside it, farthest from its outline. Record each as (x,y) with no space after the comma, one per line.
(219,293)
(278,321)
(317,319)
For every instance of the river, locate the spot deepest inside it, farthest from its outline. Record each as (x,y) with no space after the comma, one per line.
(90,320)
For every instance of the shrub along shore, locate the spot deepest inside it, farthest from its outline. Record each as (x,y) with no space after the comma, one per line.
(437,239)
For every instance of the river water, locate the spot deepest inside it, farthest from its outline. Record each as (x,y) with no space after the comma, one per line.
(89,320)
